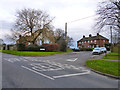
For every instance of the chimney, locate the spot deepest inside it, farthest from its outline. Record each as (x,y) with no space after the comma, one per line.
(90,35)
(20,36)
(83,36)
(97,34)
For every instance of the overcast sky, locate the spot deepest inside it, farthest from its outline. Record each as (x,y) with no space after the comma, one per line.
(62,10)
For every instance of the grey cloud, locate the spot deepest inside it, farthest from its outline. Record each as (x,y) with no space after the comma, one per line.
(6,25)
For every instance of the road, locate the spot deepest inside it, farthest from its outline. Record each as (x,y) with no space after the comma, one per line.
(57,71)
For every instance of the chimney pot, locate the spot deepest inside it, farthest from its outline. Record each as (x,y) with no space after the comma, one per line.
(20,36)
(83,36)
(97,34)
(90,35)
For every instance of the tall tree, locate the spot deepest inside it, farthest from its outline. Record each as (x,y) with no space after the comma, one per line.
(60,38)
(32,22)
(108,15)
(47,35)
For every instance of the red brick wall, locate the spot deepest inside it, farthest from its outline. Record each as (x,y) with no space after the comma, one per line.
(98,42)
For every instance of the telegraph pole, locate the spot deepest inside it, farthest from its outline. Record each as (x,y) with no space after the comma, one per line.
(111,36)
(66,36)
(111,33)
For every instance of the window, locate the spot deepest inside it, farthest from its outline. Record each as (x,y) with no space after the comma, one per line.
(91,41)
(88,41)
(28,43)
(95,41)
(79,42)
(103,40)
(85,41)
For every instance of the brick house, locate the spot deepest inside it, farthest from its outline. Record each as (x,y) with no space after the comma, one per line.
(28,39)
(92,41)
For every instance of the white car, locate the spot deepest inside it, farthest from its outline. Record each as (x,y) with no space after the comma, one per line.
(96,51)
(103,49)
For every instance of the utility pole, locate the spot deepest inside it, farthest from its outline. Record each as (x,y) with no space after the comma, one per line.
(111,37)
(66,36)
(111,33)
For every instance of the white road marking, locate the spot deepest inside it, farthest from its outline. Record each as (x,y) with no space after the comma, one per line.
(40,67)
(38,73)
(68,75)
(76,52)
(12,60)
(72,59)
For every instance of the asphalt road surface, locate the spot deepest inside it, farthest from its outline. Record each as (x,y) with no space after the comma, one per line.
(57,71)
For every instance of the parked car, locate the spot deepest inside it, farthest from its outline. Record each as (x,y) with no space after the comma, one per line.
(103,49)
(96,51)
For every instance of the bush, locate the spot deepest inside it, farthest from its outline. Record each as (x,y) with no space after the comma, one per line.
(20,47)
(63,45)
(32,48)
(86,49)
(76,50)
(50,47)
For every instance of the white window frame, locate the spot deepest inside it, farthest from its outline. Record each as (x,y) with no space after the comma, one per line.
(29,43)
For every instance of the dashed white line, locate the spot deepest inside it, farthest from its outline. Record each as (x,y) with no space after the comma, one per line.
(38,73)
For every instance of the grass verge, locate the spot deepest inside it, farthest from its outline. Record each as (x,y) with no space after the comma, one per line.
(113,53)
(108,67)
(29,53)
(111,57)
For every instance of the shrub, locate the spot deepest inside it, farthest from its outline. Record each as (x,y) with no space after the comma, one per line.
(86,49)
(63,45)
(76,50)
(20,47)
(32,48)
(50,47)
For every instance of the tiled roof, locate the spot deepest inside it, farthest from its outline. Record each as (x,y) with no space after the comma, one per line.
(98,37)
(29,38)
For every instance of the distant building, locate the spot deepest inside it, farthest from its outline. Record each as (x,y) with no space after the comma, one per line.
(92,41)
(2,45)
(28,39)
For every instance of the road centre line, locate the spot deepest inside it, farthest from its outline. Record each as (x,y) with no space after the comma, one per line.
(38,73)
(68,75)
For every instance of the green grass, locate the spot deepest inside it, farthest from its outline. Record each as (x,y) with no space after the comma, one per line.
(29,53)
(111,57)
(69,50)
(109,67)
(113,53)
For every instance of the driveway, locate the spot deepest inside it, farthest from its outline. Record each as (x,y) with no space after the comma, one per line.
(57,71)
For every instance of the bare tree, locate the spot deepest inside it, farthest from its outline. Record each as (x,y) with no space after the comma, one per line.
(60,38)
(47,35)
(108,15)
(31,22)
